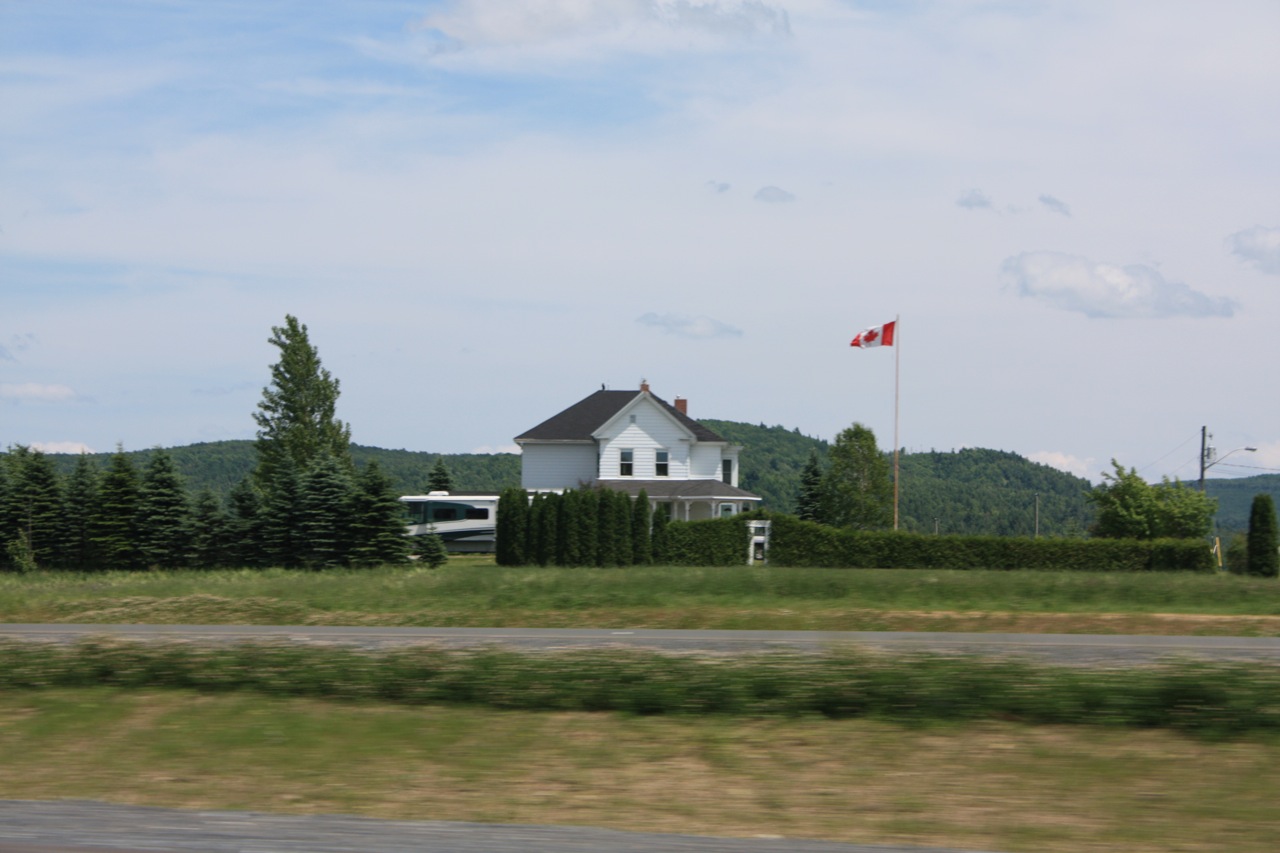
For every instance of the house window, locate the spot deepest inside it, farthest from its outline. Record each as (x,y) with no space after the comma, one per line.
(661,466)
(727,510)
(627,463)
(726,471)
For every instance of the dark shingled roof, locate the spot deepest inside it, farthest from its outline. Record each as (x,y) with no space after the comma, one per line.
(580,420)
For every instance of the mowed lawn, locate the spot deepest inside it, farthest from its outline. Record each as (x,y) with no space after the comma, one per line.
(473,592)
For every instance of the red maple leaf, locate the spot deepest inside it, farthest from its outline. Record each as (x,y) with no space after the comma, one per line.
(871,335)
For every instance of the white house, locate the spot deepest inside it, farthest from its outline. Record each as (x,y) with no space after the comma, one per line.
(634,440)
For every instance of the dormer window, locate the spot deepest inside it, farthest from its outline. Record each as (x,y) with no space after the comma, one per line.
(661,463)
(626,463)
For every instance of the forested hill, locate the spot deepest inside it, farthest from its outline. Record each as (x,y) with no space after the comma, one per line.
(965,491)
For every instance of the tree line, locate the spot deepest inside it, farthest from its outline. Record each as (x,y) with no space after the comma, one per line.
(578,527)
(305,504)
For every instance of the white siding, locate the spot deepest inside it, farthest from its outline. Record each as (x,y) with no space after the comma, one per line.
(653,430)
(557,466)
(706,462)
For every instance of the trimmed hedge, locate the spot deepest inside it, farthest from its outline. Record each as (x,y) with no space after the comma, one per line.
(714,542)
(1214,698)
(805,543)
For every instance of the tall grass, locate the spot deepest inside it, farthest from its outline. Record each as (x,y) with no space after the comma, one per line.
(475,587)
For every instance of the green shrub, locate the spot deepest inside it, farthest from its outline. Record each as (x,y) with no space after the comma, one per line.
(714,542)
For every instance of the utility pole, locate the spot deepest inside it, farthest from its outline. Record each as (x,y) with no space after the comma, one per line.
(1205,450)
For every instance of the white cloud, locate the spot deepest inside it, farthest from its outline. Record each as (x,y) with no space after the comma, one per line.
(773,195)
(76,447)
(689,327)
(974,199)
(1066,462)
(30,391)
(1073,283)
(1056,205)
(502,448)
(1258,246)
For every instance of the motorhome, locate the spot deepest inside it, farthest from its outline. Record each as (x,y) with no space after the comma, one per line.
(464,520)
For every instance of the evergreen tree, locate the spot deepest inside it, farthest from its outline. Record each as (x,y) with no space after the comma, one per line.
(164,515)
(439,480)
(296,416)
(282,542)
(624,550)
(513,513)
(82,504)
(323,516)
(548,518)
(809,501)
(381,524)
(658,535)
(568,551)
(115,524)
(36,506)
(1263,540)
(606,529)
(211,544)
(431,550)
(245,526)
(585,522)
(857,491)
(8,527)
(641,546)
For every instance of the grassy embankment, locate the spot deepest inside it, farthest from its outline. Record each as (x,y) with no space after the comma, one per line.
(473,592)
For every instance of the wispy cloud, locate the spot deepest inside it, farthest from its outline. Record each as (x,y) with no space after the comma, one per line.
(685,326)
(774,195)
(1055,204)
(16,344)
(1073,283)
(718,186)
(1258,246)
(33,392)
(975,199)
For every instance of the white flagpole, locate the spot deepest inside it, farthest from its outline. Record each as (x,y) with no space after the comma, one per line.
(897,358)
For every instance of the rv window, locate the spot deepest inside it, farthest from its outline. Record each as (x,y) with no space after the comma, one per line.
(477,513)
(445,513)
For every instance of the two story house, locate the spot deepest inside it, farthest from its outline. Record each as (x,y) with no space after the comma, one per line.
(631,441)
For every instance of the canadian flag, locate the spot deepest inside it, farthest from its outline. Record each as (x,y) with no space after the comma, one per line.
(876,336)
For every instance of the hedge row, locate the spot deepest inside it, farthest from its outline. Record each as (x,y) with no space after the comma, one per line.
(714,542)
(804,543)
(1218,698)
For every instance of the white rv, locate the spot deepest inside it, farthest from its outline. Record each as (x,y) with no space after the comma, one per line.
(466,521)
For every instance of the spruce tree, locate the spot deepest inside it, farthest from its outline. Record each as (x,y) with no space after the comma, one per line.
(809,501)
(164,515)
(296,416)
(282,542)
(82,505)
(380,534)
(323,517)
(115,524)
(245,526)
(36,504)
(211,544)
(1263,541)
(431,550)
(439,480)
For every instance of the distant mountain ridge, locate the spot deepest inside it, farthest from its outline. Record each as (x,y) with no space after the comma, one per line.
(973,490)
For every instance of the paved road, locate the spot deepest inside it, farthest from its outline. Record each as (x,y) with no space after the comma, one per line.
(90,827)
(1057,648)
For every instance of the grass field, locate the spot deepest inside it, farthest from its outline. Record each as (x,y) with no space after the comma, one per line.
(474,592)
(990,786)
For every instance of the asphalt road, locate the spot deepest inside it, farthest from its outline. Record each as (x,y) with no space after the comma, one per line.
(90,827)
(1105,649)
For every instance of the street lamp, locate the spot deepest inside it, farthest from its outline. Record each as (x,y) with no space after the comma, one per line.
(1207,454)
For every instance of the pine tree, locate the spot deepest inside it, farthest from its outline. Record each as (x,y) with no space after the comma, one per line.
(36,505)
(439,480)
(513,513)
(115,524)
(642,547)
(1263,540)
(380,522)
(296,416)
(431,550)
(809,501)
(210,533)
(82,505)
(245,526)
(323,517)
(164,515)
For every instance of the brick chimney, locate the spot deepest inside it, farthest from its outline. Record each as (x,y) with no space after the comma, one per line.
(644,385)
(682,405)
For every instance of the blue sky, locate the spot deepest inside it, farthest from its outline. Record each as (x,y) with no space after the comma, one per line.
(483,210)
